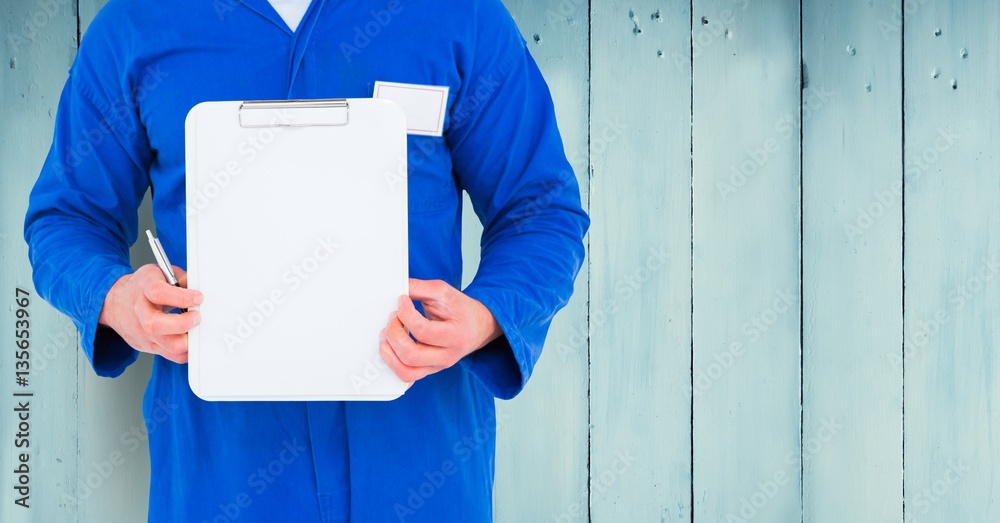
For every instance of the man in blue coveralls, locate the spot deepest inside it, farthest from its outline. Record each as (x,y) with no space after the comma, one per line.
(428,456)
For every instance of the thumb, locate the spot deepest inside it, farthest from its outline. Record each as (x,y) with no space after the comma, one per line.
(428,290)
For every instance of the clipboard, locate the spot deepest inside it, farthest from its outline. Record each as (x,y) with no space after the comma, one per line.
(297,237)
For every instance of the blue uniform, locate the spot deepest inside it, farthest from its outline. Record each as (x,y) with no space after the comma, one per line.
(428,456)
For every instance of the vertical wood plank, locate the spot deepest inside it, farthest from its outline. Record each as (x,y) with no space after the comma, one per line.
(38,45)
(951,258)
(541,461)
(852,262)
(114,454)
(88,9)
(746,260)
(640,311)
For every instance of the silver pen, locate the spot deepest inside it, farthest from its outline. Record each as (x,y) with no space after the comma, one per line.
(162,261)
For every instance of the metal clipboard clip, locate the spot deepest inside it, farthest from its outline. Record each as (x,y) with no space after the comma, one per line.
(285,113)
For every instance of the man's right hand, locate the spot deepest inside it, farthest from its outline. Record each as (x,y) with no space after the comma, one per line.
(135,308)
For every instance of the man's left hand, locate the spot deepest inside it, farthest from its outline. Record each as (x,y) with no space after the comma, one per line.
(455,326)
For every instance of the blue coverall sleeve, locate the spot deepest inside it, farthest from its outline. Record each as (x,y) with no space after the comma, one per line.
(82,212)
(508,155)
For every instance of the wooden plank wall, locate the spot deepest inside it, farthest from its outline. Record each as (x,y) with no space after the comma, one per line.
(788,312)
(951,371)
(745,244)
(640,303)
(38,47)
(112,430)
(557,36)
(852,264)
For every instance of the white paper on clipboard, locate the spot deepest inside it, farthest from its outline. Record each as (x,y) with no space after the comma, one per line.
(297,237)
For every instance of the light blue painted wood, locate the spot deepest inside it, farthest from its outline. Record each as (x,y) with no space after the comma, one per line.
(542,440)
(114,454)
(852,263)
(37,47)
(88,10)
(746,261)
(113,480)
(635,133)
(952,297)
(640,311)
(542,471)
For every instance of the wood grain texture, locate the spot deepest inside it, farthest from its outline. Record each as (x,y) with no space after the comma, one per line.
(557,392)
(640,310)
(746,260)
(852,263)
(604,430)
(951,261)
(542,439)
(37,46)
(114,454)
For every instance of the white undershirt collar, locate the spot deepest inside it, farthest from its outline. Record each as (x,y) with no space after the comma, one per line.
(291,11)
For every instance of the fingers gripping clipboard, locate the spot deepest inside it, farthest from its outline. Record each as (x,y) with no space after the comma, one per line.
(297,237)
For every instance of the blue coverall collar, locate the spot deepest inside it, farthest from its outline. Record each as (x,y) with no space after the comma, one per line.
(300,37)
(264,9)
